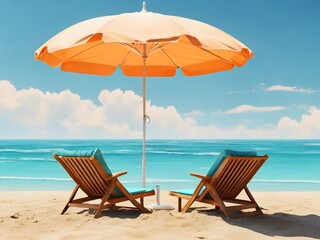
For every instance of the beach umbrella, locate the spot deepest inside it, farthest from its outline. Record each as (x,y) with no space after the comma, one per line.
(143,44)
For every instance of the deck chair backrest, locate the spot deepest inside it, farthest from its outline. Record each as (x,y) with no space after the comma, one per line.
(87,171)
(234,173)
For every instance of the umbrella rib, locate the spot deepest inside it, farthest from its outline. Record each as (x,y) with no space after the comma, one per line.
(132,49)
(153,49)
(81,52)
(199,47)
(203,49)
(124,59)
(136,50)
(160,49)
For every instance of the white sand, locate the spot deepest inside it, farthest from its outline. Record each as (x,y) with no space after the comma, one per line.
(36,215)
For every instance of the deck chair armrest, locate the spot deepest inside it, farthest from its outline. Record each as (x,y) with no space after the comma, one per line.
(116,175)
(200,176)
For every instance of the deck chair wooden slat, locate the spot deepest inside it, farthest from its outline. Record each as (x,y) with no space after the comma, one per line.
(92,183)
(221,182)
(243,179)
(73,163)
(225,177)
(74,173)
(243,170)
(241,175)
(235,189)
(227,183)
(82,177)
(252,167)
(224,183)
(93,178)
(91,174)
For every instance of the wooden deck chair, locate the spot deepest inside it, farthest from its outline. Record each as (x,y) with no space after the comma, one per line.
(92,175)
(225,180)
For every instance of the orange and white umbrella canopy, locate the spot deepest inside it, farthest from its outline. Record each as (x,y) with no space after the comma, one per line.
(100,45)
(143,44)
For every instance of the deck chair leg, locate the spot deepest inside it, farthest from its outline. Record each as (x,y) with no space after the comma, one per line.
(179,204)
(131,199)
(138,205)
(105,198)
(73,194)
(142,201)
(193,197)
(219,203)
(258,209)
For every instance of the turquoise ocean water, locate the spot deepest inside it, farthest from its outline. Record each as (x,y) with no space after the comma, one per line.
(293,165)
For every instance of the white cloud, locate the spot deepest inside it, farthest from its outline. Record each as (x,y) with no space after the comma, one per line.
(31,113)
(250,109)
(289,89)
(308,126)
(195,113)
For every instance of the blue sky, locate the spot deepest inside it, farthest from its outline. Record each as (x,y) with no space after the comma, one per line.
(275,95)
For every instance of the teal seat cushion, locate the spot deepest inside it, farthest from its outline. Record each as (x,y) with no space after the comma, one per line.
(222,156)
(185,191)
(190,192)
(86,153)
(117,193)
(139,190)
(132,191)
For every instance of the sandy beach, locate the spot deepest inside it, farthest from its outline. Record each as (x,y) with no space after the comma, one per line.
(36,215)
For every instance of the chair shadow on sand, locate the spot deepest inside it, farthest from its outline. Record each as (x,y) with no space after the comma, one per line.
(276,224)
(118,212)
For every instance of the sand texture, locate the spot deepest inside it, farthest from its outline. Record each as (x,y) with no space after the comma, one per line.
(36,215)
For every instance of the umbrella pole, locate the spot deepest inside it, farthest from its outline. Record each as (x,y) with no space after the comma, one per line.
(144,57)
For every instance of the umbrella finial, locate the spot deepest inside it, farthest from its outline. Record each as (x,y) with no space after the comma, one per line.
(144,9)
